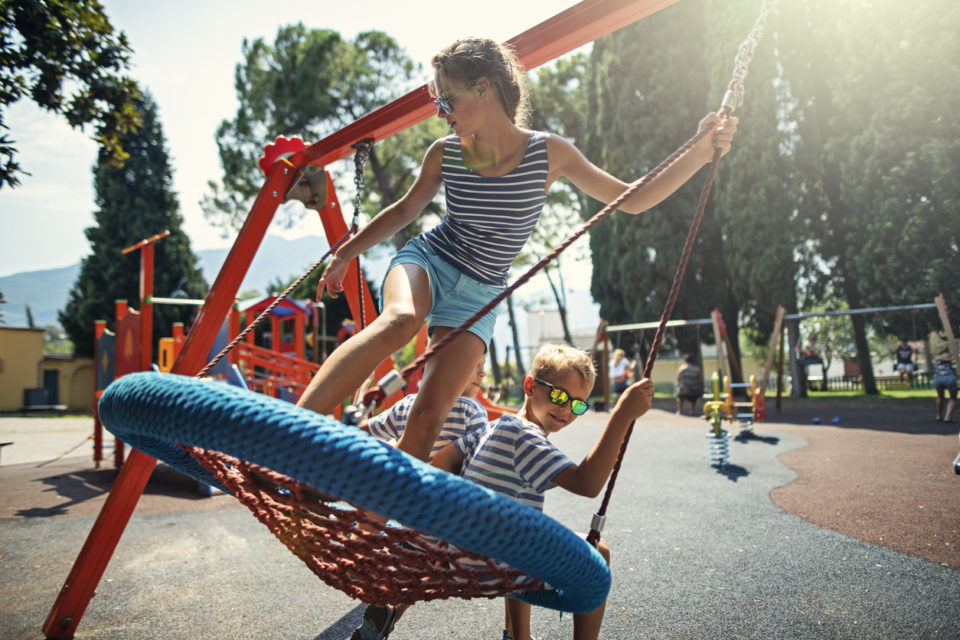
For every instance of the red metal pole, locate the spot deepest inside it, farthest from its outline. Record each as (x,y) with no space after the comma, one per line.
(146,306)
(72,601)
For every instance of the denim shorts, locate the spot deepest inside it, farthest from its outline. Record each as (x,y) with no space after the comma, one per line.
(945,383)
(454,295)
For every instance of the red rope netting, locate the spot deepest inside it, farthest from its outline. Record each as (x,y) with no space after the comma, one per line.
(350,551)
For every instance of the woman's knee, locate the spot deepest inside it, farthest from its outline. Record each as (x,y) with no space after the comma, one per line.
(400,322)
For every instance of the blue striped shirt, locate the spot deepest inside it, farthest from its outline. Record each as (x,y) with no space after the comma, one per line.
(489,219)
(512,457)
(466,416)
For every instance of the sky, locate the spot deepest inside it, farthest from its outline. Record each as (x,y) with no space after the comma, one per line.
(184,53)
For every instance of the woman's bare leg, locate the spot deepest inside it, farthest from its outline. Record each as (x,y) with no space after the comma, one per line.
(407,300)
(444,377)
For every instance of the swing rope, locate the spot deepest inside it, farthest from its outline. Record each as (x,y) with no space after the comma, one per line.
(732,99)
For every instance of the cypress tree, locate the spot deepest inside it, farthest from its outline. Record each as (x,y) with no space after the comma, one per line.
(134,202)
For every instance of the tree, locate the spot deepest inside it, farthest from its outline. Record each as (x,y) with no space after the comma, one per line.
(67,58)
(638,114)
(309,83)
(876,143)
(558,97)
(133,203)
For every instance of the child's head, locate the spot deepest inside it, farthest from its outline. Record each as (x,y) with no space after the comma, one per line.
(618,353)
(467,61)
(476,379)
(561,376)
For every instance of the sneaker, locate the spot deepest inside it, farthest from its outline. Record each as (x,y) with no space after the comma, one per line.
(377,623)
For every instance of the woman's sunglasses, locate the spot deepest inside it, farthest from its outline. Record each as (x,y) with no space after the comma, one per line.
(444,103)
(560,397)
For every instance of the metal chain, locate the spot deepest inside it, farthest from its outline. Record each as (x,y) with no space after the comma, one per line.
(735,91)
(363,148)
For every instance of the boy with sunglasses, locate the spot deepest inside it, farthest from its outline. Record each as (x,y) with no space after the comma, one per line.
(513,456)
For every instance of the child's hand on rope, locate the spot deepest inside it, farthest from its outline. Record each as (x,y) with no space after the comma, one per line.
(636,400)
(722,137)
(332,277)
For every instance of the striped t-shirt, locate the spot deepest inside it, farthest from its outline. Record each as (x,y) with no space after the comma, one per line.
(488,220)
(466,416)
(512,457)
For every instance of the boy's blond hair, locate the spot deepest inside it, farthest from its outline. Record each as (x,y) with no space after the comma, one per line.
(554,360)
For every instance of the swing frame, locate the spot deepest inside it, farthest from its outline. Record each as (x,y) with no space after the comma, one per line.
(579,25)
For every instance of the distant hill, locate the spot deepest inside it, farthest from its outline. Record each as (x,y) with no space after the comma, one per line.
(46,291)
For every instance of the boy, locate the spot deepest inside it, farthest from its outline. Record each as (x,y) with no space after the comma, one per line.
(466,415)
(513,455)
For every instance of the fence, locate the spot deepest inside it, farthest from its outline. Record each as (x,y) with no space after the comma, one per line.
(921,380)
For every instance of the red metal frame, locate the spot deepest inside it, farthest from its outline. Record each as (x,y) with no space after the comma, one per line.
(577,26)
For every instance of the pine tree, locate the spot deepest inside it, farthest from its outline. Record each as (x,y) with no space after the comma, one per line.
(133,202)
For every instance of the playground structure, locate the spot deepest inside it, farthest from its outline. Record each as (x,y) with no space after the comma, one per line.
(778,336)
(720,404)
(566,31)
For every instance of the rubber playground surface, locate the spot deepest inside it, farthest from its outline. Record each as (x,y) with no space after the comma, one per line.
(812,531)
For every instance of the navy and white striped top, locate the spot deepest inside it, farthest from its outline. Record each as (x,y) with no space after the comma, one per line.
(488,220)
(512,457)
(466,415)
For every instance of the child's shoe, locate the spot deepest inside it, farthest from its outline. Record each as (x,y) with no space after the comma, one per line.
(377,623)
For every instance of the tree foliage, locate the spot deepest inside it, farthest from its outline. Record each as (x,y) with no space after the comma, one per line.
(638,114)
(308,84)
(133,203)
(66,57)
(876,148)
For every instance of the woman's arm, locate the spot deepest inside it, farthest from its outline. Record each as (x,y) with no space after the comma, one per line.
(390,220)
(567,161)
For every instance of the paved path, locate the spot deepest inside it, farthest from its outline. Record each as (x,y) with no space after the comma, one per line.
(696,552)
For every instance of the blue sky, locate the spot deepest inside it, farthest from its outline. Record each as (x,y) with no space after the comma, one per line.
(185,54)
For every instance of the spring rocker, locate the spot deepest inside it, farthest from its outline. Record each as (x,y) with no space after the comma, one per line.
(722,407)
(311,479)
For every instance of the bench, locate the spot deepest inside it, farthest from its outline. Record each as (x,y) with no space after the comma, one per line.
(54,408)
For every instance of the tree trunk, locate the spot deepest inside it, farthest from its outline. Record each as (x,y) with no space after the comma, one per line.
(521,370)
(561,305)
(798,389)
(494,364)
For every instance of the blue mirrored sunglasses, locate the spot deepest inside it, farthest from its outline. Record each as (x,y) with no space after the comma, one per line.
(560,397)
(444,104)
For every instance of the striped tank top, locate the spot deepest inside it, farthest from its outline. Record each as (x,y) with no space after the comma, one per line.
(488,220)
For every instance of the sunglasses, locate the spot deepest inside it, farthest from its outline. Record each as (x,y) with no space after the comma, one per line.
(560,397)
(444,103)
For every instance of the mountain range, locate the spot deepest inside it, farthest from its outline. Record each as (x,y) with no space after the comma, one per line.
(47,291)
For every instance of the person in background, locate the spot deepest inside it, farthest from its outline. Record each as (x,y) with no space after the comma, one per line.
(689,384)
(621,368)
(904,364)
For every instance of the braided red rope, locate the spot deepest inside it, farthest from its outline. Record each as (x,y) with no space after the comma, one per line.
(594,536)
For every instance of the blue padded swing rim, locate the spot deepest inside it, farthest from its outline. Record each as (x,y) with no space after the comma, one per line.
(152,412)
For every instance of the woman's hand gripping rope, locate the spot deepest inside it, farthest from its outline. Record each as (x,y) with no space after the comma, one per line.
(725,127)
(333,276)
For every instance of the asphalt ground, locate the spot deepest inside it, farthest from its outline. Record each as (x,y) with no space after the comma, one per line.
(812,531)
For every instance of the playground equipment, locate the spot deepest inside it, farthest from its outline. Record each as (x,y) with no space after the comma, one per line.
(724,406)
(781,317)
(574,27)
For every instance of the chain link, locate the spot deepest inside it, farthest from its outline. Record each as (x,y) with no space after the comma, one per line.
(734,96)
(363,148)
